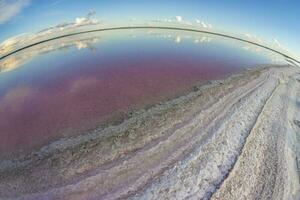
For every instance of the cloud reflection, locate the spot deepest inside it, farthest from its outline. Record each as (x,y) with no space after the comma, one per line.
(14,61)
(24,40)
(88,40)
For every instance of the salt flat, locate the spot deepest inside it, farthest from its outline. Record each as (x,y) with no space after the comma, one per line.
(233,138)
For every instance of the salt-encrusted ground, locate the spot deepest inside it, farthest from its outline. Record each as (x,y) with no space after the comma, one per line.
(237,138)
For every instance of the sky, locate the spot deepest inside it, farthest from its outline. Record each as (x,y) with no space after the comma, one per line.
(268,19)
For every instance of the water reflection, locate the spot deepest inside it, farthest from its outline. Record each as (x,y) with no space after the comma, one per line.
(66,87)
(19,59)
(87,40)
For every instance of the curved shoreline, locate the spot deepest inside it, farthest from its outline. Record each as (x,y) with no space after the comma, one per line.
(152,27)
(194,146)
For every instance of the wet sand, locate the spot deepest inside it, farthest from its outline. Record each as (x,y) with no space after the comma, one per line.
(228,139)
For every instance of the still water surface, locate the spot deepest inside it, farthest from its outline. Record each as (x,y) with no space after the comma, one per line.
(71,85)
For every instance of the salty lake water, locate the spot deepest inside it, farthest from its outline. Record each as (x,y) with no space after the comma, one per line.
(71,85)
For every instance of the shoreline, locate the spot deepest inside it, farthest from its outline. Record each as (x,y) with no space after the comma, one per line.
(192,146)
(114,119)
(129,117)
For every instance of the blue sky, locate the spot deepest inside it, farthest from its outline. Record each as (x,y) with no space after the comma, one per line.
(267,19)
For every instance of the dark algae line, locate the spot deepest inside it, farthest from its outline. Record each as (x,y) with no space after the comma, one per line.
(150,27)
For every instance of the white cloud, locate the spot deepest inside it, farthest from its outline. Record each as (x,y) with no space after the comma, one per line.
(91,13)
(203,24)
(178,18)
(248,35)
(24,39)
(80,21)
(188,23)
(9,9)
(276,42)
(8,44)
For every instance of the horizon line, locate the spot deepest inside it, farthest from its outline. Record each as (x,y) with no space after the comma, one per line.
(151,27)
